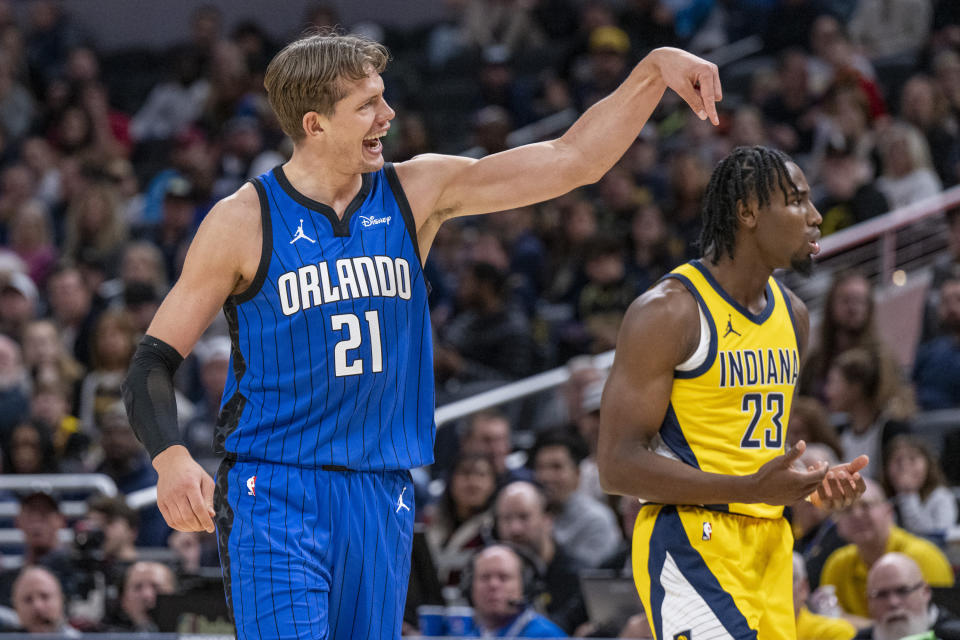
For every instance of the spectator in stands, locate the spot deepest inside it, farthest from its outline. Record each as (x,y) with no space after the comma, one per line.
(119,525)
(491,125)
(176,225)
(17,107)
(40,521)
(868,525)
(907,174)
(498,85)
(923,105)
(946,70)
(31,238)
(40,158)
(607,65)
(213,359)
(813,625)
(810,422)
(849,110)
(47,359)
(189,549)
(606,294)
(51,405)
(128,465)
(142,261)
(654,249)
(113,342)
(29,449)
(18,303)
(96,228)
(857,388)
(689,171)
(14,383)
(847,322)
(522,520)
(621,560)
(39,603)
(588,426)
(850,197)
(140,302)
(17,188)
(488,433)
(576,217)
(585,527)
(413,137)
(814,529)
(947,265)
(899,600)
(889,28)
(833,53)
(789,111)
(489,340)
(914,480)
(500,606)
(173,105)
(936,369)
(71,309)
(507,23)
(462,519)
(142,583)
(618,199)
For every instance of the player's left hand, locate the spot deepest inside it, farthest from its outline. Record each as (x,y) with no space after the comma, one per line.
(694,79)
(842,485)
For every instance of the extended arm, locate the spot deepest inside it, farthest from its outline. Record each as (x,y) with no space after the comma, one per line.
(440,187)
(660,330)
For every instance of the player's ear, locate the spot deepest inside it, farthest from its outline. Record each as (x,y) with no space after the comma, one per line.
(313,123)
(746,214)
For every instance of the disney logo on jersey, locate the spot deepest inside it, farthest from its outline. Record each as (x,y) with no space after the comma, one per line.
(370,221)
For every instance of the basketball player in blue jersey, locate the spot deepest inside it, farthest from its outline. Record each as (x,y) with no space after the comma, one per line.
(694,414)
(317,265)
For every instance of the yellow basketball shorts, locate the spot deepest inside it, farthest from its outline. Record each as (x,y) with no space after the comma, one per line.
(710,574)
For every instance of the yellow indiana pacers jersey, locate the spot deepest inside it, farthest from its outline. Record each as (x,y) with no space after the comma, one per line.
(729,414)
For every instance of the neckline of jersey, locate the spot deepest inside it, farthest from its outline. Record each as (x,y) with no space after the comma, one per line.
(341,226)
(746,313)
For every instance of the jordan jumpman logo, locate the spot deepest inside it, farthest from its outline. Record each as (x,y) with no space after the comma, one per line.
(730,328)
(400,504)
(301,235)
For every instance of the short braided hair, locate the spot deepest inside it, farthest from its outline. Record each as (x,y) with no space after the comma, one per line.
(747,172)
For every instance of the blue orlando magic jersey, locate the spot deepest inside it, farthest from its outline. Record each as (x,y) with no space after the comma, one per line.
(332,358)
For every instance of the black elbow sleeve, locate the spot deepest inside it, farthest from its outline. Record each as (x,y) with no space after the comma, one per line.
(149,397)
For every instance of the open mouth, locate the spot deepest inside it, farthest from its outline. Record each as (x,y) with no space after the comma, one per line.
(373,143)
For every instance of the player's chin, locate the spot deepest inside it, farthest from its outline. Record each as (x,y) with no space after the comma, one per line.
(802,264)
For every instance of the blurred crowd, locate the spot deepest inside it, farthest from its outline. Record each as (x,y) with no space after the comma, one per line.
(109,161)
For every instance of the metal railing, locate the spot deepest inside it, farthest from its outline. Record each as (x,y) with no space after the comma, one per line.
(69,483)
(513,391)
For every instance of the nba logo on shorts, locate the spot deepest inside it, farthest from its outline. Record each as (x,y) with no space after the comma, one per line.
(252,486)
(684,635)
(707,530)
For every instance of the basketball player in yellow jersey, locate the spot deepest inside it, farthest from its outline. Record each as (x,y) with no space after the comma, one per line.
(694,414)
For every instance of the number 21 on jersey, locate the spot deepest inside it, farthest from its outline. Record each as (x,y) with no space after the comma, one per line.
(349,324)
(763,407)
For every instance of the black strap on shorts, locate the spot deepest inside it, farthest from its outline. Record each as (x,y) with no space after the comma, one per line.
(335,467)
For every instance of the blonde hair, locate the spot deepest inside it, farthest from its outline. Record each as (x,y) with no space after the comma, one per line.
(306,75)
